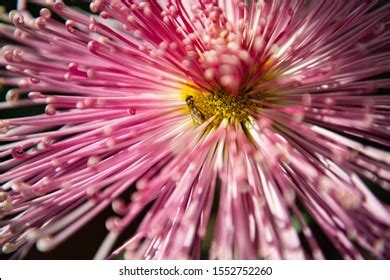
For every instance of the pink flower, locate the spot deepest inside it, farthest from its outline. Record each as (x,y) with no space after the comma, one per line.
(270,108)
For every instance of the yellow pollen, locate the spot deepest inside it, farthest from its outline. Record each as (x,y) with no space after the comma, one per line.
(223,106)
(218,104)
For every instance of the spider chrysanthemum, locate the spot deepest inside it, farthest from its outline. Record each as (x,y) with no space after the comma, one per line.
(239,122)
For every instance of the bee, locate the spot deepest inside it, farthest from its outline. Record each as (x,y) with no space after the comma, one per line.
(196,114)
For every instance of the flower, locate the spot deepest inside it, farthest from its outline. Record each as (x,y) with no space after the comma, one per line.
(268,109)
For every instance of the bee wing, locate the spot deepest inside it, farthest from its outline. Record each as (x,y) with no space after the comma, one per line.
(197,116)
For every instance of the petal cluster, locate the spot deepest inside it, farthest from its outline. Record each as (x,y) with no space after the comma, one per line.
(236,124)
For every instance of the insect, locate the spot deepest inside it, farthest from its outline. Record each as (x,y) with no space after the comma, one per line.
(197,116)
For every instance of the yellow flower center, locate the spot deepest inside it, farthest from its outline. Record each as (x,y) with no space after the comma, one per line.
(219,105)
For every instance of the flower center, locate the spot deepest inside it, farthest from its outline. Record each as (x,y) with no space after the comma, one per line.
(220,105)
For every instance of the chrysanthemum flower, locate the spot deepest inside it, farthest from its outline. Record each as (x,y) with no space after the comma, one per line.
(268,109)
